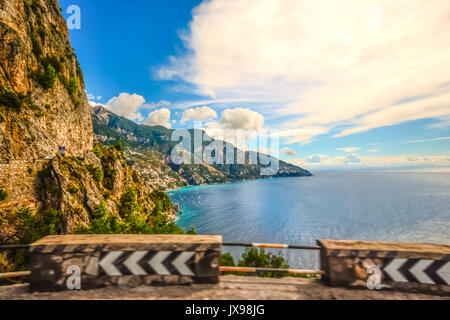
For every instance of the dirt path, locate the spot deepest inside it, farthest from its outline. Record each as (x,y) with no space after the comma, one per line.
(230,287)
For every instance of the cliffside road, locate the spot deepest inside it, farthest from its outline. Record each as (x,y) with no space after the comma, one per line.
(230,288)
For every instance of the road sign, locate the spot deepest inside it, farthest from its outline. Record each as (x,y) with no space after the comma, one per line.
(141,263)
(417,270)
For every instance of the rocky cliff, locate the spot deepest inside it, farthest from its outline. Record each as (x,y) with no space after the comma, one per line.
(43,107)
(43,104)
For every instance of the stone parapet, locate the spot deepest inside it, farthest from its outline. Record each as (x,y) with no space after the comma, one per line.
(130,260)
(403,266)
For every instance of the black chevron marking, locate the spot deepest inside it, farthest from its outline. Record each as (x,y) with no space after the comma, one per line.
(143,263)
(404,270)
(431,271)
(386,276)
(391,254)
(119,263)
(168,262)
(193,247)
(59,248)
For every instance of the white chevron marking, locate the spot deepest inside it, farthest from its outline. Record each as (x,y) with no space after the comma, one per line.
(444,272)
(392,270)
(107,263)
(131,263)
(418,271)
(156,263)
(180,263)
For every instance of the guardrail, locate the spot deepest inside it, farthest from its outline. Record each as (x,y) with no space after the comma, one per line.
(222,268)
(17,274)
(272,270)
(271,246)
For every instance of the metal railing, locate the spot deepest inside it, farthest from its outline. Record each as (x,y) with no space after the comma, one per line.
(271,270)
(17,274)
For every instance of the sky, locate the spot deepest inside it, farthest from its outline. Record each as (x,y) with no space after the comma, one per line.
(354,84)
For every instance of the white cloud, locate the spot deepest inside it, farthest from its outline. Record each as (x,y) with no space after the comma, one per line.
(358,161)
(159,117)
(374,150)
(317,158)
(429,140)
(303,135)
(240,118)
(352,158)
(333,66)
(127,105)
(198,114)
(289,152)
(154,105)
(349,150)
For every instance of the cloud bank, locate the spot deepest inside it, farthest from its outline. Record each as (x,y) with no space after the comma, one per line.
(329,67)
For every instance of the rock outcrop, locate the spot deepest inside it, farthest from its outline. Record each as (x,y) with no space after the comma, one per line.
(43,104)
(47,159)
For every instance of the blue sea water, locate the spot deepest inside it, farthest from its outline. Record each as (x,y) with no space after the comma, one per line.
(352,205)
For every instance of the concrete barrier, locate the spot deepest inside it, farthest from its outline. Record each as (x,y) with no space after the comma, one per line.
(95,261)
(402,266)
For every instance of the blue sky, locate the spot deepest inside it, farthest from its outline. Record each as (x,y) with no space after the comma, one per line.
(340,82)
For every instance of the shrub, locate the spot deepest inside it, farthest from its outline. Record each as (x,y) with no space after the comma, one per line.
(98,151)
(37,48)
(109,177)
(98,175)
(128,203)
(48,78)
(72,86)
(35,227)
(159,197)
(3,195)
(10,100)
(5,265)
(255,258)
(118,146)
(52,61)
(227,260)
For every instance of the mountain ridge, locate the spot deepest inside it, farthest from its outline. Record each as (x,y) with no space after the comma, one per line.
(153,144)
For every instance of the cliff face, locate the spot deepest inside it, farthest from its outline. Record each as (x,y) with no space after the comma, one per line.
(43,104)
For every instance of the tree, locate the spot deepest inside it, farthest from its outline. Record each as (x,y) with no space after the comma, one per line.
(98,175)
(128,204)
(255,258)
(48,78)
(227,260)
(3,195)
(119,146)
(72,86)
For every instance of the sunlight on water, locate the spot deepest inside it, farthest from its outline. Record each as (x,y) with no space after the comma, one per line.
(385,206)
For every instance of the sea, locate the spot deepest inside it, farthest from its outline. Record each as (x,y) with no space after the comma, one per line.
(385,205)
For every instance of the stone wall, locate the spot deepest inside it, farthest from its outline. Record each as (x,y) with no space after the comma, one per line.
(124,260)
(20,180)
(417,267)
